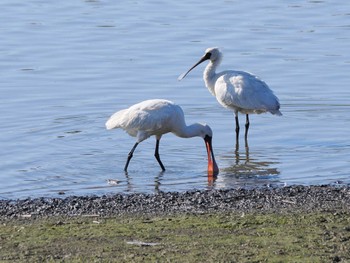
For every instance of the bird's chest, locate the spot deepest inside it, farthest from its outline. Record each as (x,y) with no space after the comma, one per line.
(226,90)
(229,91)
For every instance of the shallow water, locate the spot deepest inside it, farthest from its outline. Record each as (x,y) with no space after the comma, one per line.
(67,66)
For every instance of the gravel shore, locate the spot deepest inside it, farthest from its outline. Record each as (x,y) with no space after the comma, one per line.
(285,199)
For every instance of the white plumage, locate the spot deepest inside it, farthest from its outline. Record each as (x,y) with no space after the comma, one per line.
(147,118)
(237,90)
(157,117)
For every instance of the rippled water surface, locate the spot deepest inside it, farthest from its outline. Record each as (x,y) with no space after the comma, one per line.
(66,66)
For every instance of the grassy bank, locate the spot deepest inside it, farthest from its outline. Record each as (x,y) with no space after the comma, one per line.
(299,237)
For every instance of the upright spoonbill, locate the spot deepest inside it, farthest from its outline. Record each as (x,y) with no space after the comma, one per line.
(157,117)
(237,90)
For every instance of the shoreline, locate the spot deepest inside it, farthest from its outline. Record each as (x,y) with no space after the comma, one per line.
(289,224)
(261,200)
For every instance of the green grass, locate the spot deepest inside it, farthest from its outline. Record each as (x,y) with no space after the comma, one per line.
(314,237)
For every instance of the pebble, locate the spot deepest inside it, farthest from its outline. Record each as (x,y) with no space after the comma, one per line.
(289,199)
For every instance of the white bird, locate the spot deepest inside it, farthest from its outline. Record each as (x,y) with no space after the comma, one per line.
(157,117)
(237,90)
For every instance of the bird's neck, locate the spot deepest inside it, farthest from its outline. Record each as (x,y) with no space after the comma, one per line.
(209,76)
(190,131)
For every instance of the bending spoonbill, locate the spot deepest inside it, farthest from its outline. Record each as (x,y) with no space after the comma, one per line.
(157,117)
(237,90)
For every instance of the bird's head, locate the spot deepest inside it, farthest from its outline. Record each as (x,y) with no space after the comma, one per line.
(205,130)
(213,54)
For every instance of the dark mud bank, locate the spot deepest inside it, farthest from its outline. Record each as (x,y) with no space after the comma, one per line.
(286,199)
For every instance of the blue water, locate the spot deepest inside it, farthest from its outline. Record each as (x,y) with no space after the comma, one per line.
(66,66)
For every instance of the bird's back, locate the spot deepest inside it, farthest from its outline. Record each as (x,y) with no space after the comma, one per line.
(150,116)
(117,120)
(246,93)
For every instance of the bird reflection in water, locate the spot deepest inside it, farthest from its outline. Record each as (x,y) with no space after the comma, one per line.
(247,170)
(157,182)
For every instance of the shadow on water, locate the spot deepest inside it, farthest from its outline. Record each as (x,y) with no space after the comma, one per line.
(247,169)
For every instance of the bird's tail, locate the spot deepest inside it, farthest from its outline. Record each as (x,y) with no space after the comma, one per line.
(115,120)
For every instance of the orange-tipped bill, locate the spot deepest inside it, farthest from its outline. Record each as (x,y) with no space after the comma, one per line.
(213,169)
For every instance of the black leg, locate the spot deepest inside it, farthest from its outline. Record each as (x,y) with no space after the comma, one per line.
(237,127)
(156,154)
(246,127)
(130,156)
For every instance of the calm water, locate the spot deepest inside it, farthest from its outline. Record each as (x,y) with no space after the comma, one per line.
(66,66)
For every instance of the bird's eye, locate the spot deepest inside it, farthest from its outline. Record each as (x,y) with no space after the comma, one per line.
(208,55)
